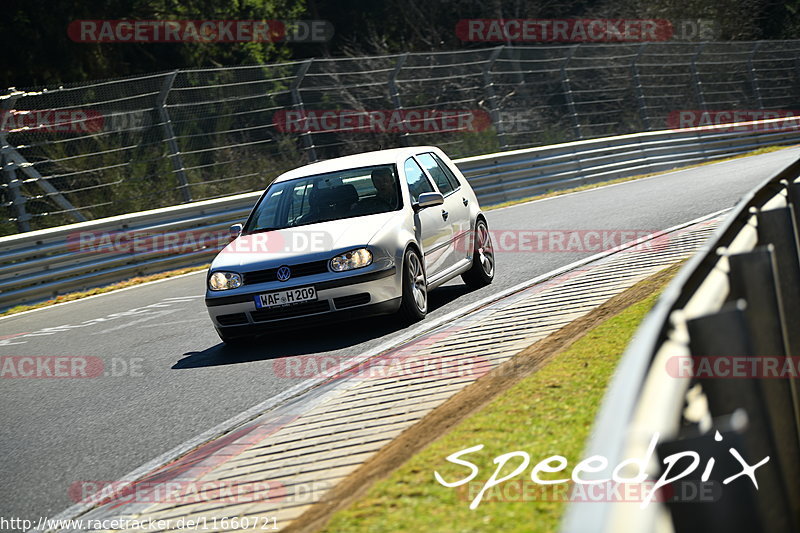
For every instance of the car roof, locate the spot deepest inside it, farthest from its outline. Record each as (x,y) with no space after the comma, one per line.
(366,159)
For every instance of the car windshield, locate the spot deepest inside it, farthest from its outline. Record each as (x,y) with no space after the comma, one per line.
(332,196)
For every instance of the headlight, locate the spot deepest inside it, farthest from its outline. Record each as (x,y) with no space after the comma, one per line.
(352,259)
(220,281)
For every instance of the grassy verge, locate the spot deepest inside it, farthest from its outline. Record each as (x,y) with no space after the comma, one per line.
(546,413)
(100,290)
(562,192)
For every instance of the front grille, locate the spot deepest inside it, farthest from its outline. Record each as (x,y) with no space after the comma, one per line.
(298,271)
(352,300)
(232,320)
(290,311)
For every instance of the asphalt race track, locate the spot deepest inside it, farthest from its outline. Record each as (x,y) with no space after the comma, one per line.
(169,378)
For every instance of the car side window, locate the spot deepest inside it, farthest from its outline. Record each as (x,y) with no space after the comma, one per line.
(436,172)
(447,172)
(417,181)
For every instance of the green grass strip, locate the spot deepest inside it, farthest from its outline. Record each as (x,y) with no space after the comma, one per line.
(548,413)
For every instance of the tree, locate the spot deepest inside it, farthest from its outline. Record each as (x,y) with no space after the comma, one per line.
(38,50)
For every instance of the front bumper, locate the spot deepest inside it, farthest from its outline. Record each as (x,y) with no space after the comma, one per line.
(373,292)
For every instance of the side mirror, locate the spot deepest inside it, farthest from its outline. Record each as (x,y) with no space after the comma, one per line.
(429,199)
(235,231)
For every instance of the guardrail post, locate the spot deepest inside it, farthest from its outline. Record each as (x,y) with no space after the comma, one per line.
(728,333)
(776,227)
(753,276)
(297,100)
(753,79)
(565,84)
(637,85)
(169,136)
(491,97)
(13,188)
(704,506)
(394,92)
(793,199)
(698,85)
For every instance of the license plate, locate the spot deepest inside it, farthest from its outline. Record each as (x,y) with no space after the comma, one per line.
(288,297)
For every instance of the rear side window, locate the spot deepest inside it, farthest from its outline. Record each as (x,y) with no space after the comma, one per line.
(436,172)
(415,177)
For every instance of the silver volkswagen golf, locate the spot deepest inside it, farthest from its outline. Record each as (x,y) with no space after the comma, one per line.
(359,235)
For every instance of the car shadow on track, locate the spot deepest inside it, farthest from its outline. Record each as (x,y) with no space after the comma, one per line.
(313,339)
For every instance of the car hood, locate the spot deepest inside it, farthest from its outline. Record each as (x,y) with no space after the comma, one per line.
(301,244)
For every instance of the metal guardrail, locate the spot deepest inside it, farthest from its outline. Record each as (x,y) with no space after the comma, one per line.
(42,264)
(512,175)
(739,300)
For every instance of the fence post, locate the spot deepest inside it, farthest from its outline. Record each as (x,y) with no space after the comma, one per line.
(698,85)
(394,92)
(297,101)
(637,85)
(491,97)
(565,84)
(17,198)
(169,136)
(797,68)
(753,78)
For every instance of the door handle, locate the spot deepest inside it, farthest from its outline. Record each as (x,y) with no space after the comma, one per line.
(466,202)
(445,214)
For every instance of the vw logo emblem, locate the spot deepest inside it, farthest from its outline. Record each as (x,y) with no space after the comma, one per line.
(284,273)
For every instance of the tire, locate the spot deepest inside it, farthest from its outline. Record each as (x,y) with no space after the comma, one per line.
(414,304)
(482,272)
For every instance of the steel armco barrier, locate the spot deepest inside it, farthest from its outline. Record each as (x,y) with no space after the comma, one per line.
(738,298)
(42,264)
